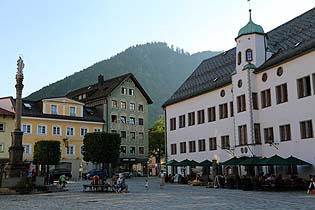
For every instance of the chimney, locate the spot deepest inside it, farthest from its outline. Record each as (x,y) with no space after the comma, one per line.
(100,80)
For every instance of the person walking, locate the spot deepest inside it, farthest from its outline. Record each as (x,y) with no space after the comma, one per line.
(146,184)
(162,179)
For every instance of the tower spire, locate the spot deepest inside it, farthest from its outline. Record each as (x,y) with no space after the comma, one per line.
(250,10)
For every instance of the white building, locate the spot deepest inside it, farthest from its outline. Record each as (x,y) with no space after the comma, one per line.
(257,99)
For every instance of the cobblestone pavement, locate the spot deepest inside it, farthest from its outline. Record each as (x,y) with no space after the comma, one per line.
(173,196)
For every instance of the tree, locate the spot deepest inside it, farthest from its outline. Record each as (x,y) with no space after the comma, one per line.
(47,152)
(101,148)
(157,140)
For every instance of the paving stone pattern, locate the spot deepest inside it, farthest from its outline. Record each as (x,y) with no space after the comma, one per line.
(173,196)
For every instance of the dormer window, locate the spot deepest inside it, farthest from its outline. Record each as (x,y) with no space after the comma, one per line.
(72,111)
(249,55)
(239,58)
(53,109)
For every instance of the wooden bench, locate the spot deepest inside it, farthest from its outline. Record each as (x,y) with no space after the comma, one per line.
(95,187)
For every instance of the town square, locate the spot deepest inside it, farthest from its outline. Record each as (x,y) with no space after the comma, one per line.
(165,105)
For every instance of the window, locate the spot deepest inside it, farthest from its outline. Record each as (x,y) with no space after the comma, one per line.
(132,106)
(213,143)
(257,133)
(27,128)
(255,100)
(249,55)
(222,93)
(53,109)
(140,121)
(173,149)
(132,150)
(114,104)
(279,71)
(123,105)
(268,133)
(123,134)
(27,149)
(2,127)
(304,87)
(131,92)
(173,123)
(239,83)
(201,116)
(41,130)
(1,147)
(231,109)
(123,119)
(211,114)
(239,58)
(264,77)
(192,146)
(56,130)
(202,145)
(82,149)
(191,118)
(70,131)
(132,121)
(97,129)
(182,121)
(113,131)
(141,136)
(225,142)
(141,150)
(265,98)
(124,91)
(285,132)
(183,147)
(223,109)
(114,118)
(132,135)
(306,129)
(242,134)
(70,149)
(84,131)
(140,108)
(282,93)
(72,111)
(123,149)
(241,103)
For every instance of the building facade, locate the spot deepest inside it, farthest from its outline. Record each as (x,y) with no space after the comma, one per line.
(253,100)
(124,104)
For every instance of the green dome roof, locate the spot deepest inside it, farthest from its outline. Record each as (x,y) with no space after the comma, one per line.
(250,27)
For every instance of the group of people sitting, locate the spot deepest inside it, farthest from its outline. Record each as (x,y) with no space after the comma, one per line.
(117,185)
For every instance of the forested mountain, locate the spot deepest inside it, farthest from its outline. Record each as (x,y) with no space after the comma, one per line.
(159,69)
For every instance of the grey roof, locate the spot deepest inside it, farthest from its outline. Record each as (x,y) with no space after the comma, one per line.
(287,41)
(98,91)
(34,109)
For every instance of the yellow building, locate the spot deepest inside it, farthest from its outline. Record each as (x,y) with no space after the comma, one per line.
(60,119)
(6,126)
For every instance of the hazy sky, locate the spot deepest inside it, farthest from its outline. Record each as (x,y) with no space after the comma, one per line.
(60,37)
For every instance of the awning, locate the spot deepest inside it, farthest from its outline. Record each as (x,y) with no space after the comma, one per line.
(205,163)
(296,161)
(234,161)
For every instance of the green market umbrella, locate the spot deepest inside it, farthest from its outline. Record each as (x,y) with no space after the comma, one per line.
(296,161)
(187,162)
(234,161)
(171,163)
(252,161)
(274,160)
(205,163)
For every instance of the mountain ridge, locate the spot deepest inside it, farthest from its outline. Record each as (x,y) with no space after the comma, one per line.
(157,60)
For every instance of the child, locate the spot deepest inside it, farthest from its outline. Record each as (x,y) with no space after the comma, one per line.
(146,185)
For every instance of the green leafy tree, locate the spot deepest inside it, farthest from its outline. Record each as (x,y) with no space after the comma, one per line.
(157,140)
(102,148)
(47,152)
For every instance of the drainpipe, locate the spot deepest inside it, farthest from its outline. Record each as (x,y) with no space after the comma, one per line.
(165,138)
